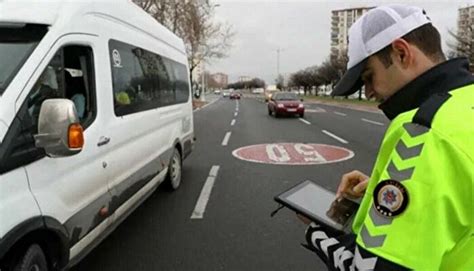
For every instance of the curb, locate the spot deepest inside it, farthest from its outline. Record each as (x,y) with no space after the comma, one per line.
(204,106)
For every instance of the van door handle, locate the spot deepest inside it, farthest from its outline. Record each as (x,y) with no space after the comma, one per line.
(103,141)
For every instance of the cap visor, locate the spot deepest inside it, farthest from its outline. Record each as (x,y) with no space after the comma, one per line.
(350,81)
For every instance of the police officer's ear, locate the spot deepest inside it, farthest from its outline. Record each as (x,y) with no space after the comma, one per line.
(402,53)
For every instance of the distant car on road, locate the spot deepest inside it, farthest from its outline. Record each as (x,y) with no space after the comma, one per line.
(285,103)
(217,91)
(225,93)
(235,95)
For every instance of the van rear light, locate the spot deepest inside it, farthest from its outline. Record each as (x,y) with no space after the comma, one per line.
(75,136)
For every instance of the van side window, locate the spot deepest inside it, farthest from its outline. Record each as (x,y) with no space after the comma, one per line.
(143,80)
(68,75)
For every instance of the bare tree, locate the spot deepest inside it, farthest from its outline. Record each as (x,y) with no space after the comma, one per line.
(193,21)
(146,5)
(254,83)
(280,82)
(463,46)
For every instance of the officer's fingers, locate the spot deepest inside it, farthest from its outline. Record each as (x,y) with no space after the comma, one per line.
(348,181)
(359,176)
(360,188)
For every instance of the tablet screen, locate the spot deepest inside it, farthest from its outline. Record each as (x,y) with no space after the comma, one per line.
(317,203)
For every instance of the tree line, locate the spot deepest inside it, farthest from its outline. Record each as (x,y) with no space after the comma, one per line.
(254,83)
(329,72)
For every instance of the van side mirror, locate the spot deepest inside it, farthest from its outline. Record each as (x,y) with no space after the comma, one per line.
(59,131)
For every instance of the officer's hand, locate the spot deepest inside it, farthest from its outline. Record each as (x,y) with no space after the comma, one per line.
(353,185)
(303,219)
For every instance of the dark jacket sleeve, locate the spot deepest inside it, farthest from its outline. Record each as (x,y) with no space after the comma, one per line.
(340,252)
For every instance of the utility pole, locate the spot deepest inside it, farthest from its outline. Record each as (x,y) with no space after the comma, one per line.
(278,61)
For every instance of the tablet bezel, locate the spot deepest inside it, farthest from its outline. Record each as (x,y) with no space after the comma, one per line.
(326,221)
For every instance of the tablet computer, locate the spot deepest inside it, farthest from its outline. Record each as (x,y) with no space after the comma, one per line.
(320,205)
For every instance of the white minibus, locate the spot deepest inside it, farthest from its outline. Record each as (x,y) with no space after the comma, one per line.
(95,113)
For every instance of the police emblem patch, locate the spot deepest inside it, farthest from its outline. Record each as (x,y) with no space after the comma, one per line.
(390,198)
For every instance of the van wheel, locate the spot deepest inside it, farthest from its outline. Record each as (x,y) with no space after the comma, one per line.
(33,260)
(173,179)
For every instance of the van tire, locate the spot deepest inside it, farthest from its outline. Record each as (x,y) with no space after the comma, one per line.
(173,178)
(33,259)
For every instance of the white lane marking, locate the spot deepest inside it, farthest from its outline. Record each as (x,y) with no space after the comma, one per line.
(235,114)
(226,139)
(315,110)
(340,114)
(214,171)
(232,123)
(335,137)
(305,121)
(206,105)
(201,204)
(373,122)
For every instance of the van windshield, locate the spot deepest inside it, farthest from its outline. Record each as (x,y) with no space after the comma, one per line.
(17,42)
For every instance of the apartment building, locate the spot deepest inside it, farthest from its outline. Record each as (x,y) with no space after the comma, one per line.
(466,32)
(341,21)
(221,79)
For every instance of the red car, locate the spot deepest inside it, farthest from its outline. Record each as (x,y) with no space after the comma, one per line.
(234,95)
(285,103)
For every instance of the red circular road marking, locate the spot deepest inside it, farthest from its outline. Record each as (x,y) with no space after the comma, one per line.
(293,154)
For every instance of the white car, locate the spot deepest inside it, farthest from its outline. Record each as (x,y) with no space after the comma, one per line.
(217,92)
(84,137)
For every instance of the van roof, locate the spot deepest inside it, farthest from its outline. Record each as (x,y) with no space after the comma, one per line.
(66,12)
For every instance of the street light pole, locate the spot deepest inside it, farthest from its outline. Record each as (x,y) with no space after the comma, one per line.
(278,61)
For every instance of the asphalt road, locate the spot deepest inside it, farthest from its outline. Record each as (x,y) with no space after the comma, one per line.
(236,231)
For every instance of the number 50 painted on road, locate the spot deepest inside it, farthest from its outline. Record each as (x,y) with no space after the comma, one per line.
(293,153)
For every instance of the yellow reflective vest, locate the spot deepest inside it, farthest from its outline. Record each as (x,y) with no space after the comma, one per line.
(418,209)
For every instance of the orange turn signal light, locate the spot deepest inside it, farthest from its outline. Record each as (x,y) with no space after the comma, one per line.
(75,136)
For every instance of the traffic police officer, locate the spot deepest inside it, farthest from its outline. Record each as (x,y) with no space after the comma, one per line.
(417,211)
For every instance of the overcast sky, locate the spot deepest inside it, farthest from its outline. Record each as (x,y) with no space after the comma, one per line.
(300,28)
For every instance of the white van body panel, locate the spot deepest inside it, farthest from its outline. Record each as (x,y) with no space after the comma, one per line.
(71,183)
(15,192)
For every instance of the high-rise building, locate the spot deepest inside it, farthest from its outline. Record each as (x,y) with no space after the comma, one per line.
(221,79)
(341,21)
(466,33)
(244,78)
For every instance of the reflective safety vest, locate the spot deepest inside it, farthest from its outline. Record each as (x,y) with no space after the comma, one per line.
(418,209)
